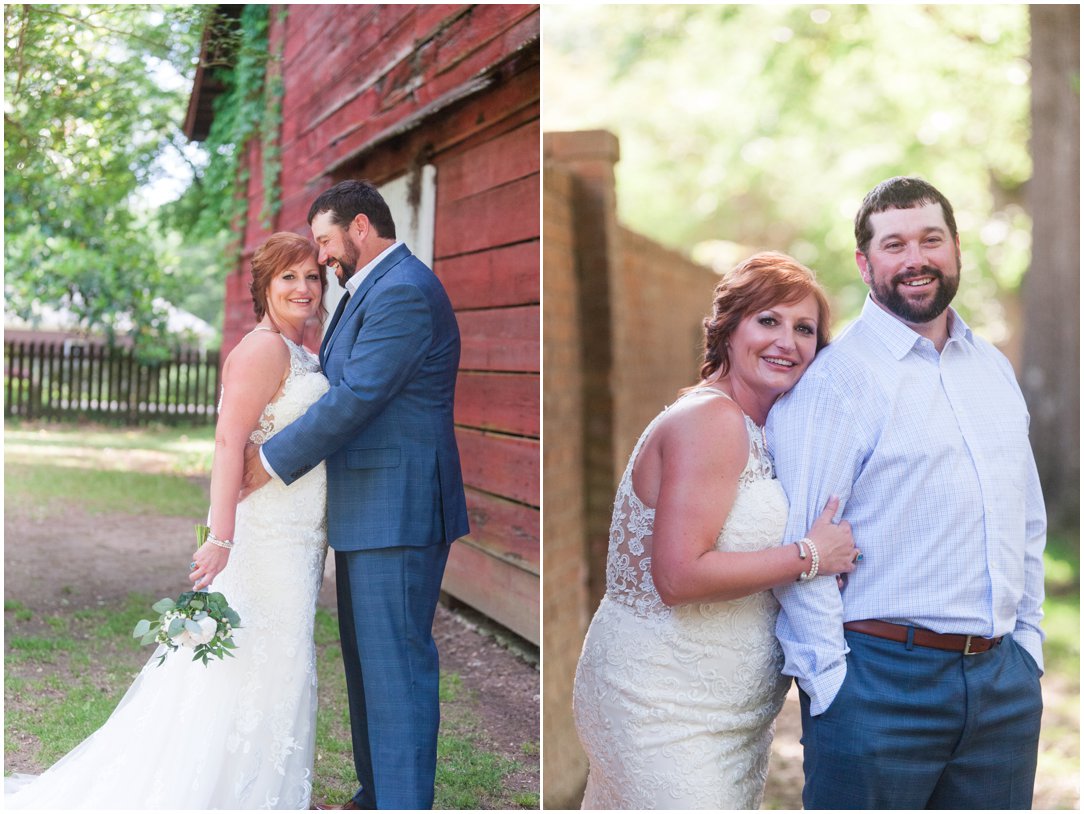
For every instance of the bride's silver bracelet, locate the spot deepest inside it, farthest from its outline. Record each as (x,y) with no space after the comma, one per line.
(218,541)
(816,559)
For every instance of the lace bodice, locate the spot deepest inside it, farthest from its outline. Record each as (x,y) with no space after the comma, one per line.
(304,384)
(755,521)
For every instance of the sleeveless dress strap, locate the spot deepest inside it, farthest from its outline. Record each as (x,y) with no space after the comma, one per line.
(757,441)
(289,342)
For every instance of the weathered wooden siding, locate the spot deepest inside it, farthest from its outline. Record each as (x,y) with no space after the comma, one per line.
(375,92)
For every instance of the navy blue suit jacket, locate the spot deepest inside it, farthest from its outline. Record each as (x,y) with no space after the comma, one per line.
(385,427)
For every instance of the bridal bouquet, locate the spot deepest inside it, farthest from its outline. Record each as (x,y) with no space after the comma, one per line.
(198,620)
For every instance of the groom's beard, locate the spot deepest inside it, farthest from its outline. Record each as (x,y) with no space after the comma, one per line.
(346,265)
(888,294)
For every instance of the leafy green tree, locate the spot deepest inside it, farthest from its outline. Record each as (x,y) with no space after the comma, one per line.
(86,115)
(745,127)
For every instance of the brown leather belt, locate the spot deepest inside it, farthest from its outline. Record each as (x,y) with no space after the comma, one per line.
(956,642)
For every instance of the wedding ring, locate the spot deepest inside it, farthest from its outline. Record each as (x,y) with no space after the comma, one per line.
(192,566)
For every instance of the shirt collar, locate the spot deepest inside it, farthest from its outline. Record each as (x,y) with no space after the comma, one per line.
(898,338)
(353,283)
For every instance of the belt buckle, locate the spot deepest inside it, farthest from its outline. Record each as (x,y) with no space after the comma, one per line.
(967,648)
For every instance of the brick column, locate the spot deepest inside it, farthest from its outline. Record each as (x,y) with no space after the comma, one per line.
(590,156)
(579,215)
(564,599)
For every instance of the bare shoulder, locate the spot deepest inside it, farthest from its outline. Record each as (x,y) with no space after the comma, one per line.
(259,356)
(705,413)
(706,426)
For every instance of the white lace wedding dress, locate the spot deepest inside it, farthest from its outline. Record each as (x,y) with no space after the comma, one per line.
(675,707)
(237,733)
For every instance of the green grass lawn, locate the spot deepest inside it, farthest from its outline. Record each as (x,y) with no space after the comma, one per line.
(66,668)
(50,487)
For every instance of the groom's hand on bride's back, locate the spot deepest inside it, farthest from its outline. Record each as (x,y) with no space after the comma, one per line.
(254,475)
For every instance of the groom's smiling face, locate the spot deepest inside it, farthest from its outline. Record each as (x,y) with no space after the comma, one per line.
(337,249)
(913,263)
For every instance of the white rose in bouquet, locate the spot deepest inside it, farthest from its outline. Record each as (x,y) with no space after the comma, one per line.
(208,627)
(183,639)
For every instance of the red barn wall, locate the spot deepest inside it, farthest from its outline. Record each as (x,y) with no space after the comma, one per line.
(376,92)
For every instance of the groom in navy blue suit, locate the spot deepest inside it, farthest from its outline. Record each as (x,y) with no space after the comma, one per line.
(395,486)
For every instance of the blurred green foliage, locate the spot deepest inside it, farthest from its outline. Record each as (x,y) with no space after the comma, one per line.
(94,98)
(747,127)
(86,116)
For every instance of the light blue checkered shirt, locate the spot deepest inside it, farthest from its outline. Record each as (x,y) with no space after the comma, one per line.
(930,458)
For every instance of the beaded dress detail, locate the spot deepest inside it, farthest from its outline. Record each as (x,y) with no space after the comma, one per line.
(238,733)
(675,707)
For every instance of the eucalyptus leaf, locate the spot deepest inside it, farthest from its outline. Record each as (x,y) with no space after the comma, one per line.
(176,626)
(141,628)
(192,627)
(163,605)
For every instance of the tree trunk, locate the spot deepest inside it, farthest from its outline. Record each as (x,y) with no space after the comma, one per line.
(1050,374)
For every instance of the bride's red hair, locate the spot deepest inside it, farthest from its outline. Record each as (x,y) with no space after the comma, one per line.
(761,281)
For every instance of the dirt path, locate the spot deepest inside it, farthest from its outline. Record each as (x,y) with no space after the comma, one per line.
(80,560)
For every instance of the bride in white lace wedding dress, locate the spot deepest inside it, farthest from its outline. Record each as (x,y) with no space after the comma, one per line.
(679,681)
(237,733)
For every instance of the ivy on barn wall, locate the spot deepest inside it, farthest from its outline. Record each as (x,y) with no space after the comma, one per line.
(271,150)
(249,108)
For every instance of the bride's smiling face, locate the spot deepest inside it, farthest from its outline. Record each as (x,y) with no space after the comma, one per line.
(771,348)
(294,294)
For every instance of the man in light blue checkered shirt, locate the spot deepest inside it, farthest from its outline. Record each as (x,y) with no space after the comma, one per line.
(920,678)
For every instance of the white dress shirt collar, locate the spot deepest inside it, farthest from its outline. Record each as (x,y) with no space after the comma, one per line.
(900,339)
(353,283)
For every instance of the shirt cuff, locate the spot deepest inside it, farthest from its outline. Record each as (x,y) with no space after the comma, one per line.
(267,466)
(823,687)
(1033,643)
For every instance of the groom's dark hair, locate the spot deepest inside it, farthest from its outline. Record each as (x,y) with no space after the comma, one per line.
(901,192)
(347,199)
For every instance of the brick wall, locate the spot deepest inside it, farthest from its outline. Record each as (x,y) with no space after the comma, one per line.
(622,332)
(659,301)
